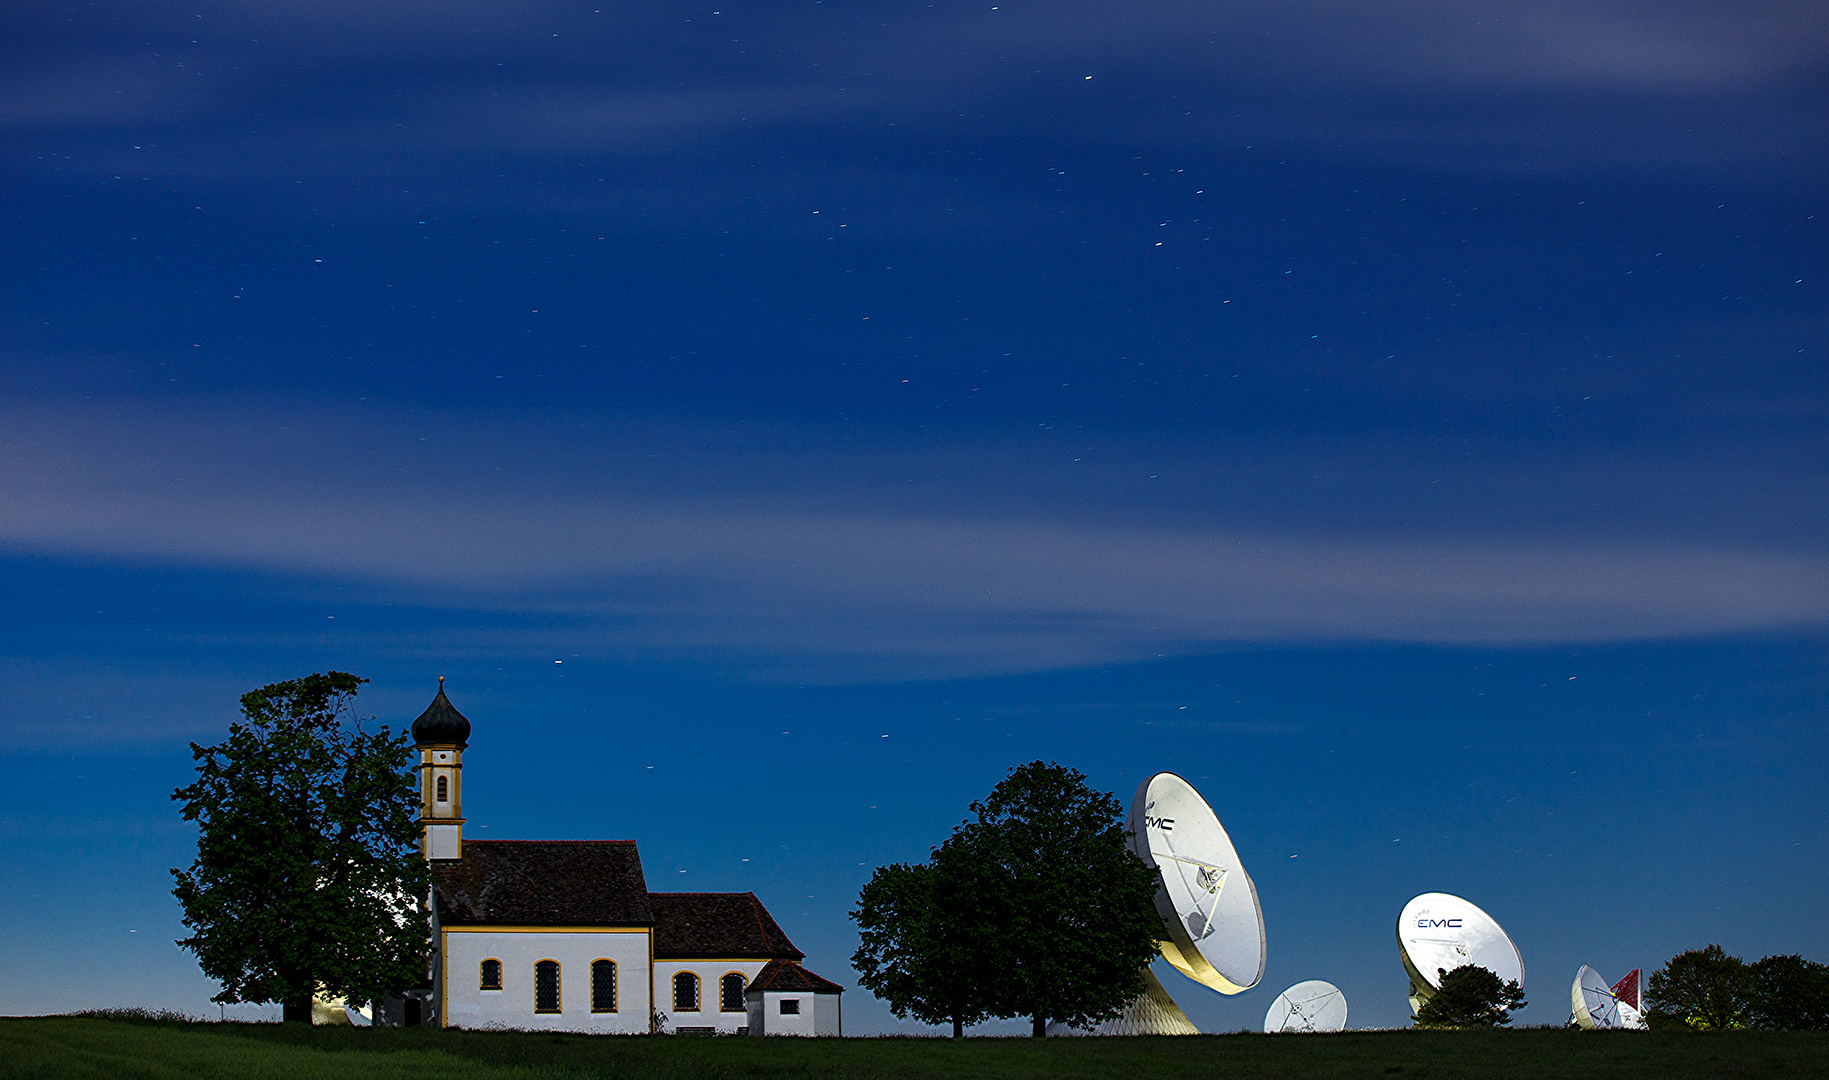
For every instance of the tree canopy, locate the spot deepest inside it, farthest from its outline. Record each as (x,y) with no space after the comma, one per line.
(1471,996)
(1788,993)
(1705,989)
(917,945)
(308,876)
(1035,906)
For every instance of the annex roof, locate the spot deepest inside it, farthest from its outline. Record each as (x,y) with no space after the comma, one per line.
(723,926)
(543,883)
(789,976)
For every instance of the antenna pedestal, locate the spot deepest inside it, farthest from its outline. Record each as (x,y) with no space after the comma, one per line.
(1152,1012)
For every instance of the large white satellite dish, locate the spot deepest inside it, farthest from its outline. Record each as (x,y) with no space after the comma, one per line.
(1437,932)
(1208,904)
(1307,1006)
(1598,1006)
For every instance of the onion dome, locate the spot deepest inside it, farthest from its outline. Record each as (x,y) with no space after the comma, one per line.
(441,724)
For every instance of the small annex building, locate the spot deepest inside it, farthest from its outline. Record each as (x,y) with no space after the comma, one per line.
(787,999)
(564,935)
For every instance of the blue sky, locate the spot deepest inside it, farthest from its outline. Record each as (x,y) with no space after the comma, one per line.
(1406,423)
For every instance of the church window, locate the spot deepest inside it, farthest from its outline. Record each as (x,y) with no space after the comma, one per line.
(730,993)
(444,790)
(790,1006)
(603,986)
(685,992)
(546,986)
(491,975)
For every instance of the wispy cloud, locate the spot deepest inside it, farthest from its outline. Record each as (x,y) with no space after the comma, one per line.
(838,566)
(1563,81)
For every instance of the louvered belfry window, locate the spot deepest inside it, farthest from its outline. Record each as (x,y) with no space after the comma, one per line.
(546,986)
(603,986)
(444,789)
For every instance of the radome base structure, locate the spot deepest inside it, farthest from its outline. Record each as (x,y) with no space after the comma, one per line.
(1152,1012)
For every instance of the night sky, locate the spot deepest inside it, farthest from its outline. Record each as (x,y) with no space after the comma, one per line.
(1407,421)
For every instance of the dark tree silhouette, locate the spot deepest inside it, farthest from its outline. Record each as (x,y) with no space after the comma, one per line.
(1788,993)
(308,876)
(1705,989)
(1034,907)
(919,948)
(1471,997)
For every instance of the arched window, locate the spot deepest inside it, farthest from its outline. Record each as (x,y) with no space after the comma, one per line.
(546,986)
(491,975)
(603,986)
(685,992)
(730,993)
(444,789)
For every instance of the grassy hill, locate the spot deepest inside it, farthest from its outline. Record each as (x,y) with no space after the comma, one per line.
(59,1047)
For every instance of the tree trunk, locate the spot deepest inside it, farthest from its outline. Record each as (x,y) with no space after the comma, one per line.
(958,1028)
(296,1010)
(1040,1030)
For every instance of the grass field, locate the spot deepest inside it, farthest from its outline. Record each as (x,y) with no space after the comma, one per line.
(47,1047)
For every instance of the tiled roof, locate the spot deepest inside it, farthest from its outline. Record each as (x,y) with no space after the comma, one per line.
(543,883)
(789,976)
(724,926)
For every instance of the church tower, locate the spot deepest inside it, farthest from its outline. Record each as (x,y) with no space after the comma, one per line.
(440,734)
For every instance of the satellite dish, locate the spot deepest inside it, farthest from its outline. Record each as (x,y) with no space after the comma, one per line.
(1208,904)
(1592,1000)
(1597,1006)
(1307,1006)
(1437,932)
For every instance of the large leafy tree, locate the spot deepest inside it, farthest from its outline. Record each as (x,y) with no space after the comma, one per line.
(1703,988)
(1065,913)
(1471,996)
(1788,993)
(308,877)
(920,949)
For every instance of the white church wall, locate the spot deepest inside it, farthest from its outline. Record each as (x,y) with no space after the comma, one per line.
(468,1005)
(828,1015)
(711,974)
(768,1017)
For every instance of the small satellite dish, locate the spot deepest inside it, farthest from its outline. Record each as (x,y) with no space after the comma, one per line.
(1592,1000)
(1438,932)
(1597,1006)
(1208,904)
(1307,1006)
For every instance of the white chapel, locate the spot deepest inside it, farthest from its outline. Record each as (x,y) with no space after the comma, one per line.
(564,935)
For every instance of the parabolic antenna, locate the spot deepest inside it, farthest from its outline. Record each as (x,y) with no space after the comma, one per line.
(1307,1006)
(1438,932)
(1597,1006)
(1592,1000)
(1208,904)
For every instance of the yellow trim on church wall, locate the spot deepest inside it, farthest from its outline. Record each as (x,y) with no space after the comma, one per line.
(444,980)
(716,960)
(548,930)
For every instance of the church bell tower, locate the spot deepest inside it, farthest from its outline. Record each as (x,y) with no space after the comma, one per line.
(440,734)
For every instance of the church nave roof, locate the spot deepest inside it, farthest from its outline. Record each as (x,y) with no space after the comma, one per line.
(720,926)
(543,883)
